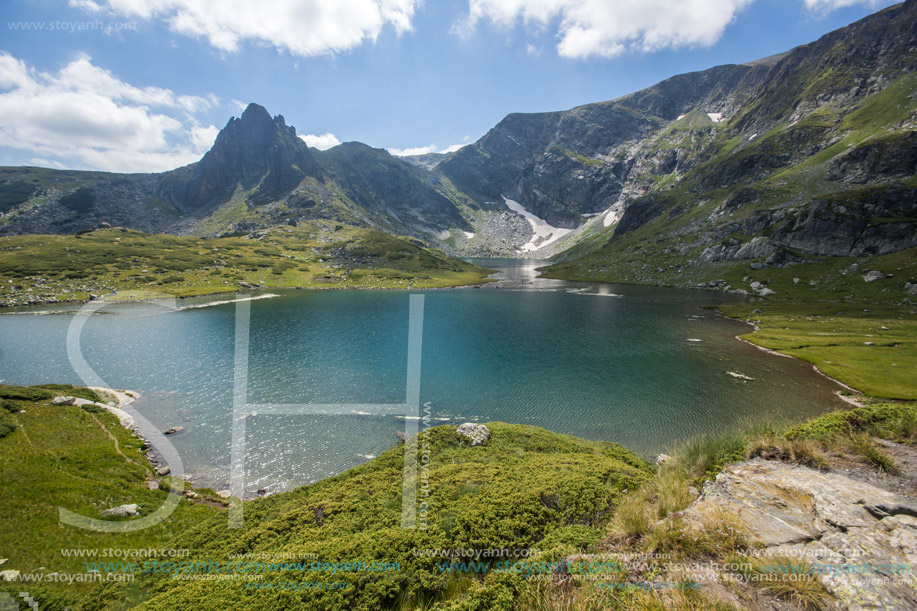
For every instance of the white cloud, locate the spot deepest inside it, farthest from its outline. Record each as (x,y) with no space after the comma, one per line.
(322,142)
(826,6)
(302,27)
(46,163)
(453,148)
(424,150)
(82,116)
(607,28)
(414,150)
(202,138)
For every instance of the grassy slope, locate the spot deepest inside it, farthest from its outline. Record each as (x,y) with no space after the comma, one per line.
(526,487)
(137,265)
(873,350)
(65,456)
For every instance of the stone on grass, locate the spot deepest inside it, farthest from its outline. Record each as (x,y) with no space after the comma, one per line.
(121,511)
(9,575)
(477,434)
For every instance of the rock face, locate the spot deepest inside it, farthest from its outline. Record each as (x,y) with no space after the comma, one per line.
(121,511)
(823,519)
(254,151)
(476,434)
(563,165)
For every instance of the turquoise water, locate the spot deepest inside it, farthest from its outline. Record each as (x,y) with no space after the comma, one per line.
(603,362)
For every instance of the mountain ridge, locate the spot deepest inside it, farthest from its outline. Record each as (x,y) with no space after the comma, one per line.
(601,170)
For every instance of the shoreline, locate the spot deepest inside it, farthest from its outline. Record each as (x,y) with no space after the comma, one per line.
(846,399)
(6,309)
(126,397)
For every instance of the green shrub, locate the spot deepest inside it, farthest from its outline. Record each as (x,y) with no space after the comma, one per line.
(14,193)
(10,406)
(23,393)
(6,426)
(81,200)
(895,421)
(70,390)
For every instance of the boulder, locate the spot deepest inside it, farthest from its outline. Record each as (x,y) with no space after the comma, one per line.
(910,288)
(757,248)
(63,400)
(9,575)
(121,511)
(762,290)
(873,276)
(173,430)
(163,471)
(476,434)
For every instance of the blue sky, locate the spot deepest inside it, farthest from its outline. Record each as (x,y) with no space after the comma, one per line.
(144,85)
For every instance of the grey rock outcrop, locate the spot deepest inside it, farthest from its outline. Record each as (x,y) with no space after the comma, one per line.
(253,150)
(476,434)
(122,511)
(824,519)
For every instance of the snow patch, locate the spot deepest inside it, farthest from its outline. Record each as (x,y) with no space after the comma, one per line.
(468,234)
(543,233)
(680,117)
(752,137)
(716,117)
(613,215)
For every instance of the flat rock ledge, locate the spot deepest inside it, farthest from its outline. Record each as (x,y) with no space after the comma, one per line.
(827,520)
(476,434)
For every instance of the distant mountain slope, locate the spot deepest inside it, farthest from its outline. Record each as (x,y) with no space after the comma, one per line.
(806,153)
(564,165)
(819,162)
(257,174)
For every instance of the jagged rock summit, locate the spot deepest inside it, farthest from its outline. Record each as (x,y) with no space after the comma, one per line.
(255,152)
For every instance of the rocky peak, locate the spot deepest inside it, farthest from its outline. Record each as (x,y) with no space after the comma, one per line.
(261,154)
